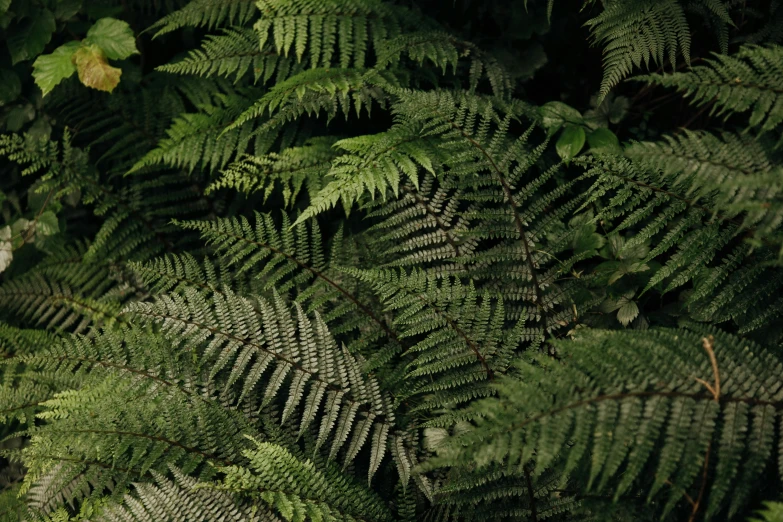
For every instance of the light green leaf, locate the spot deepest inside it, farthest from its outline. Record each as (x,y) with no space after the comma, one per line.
(67,9)
(94,71)
(603,140)
(114,37)
(27,40)
(10,86)
(18,116)
(627,312)
(555,114)
(772,512)
(6,249)
(4,5)
(20,233)
(50,69)
(47,224)
(570,143)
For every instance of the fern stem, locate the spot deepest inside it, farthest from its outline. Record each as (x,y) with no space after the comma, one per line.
(532,495)
(703,486)
(317,273)
(155,438)
(294,364)
(517,220)
(778,405)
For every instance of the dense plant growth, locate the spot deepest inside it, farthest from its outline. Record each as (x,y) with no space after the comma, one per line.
(359,260)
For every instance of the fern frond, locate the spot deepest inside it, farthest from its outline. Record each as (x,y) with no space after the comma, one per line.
(207,139)
(694,246)
(288,171)
(182,499)
(748,80)
(497,172)
(502,494)
(317,28)
(319,90)
(206,13)
(298,490)
(739,172)
(235,53)
(444,51)
(48,302)
(375,163)
(702,401)
(635,33)
(772,512)
(268,348)
(464,341)
(293,258)
(137,408)
(424,226)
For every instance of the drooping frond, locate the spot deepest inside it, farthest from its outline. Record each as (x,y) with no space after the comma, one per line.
(183,499)
(137,408)
(201,139)
(294,259)
(234,54)
(65,291)
(355,28)
(298,490)
(637,33)
(267,348)
(739,172)
(444,51)
(423,226)
(464,341)
(632,409)
(692,245)
(288,171)
(375,163)
(748,80)
(206,13)
(313,91)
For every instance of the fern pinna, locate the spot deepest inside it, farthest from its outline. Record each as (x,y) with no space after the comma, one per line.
(367,260)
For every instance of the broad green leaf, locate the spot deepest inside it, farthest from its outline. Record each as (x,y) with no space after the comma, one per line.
(570,142)
(10,86)
(114,37)
(36,199)
(772,512)
(4,5)
(556,114)
(18,116)
(50,69)
(67,9)
(94,71)
(603,140)
(6,249)
(40,130)
(20,232)
(627,312)
(27,40)
(47,224)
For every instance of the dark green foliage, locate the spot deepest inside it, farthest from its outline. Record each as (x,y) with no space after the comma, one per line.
(366,260)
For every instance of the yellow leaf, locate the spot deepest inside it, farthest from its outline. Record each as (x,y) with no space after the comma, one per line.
(94,70)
